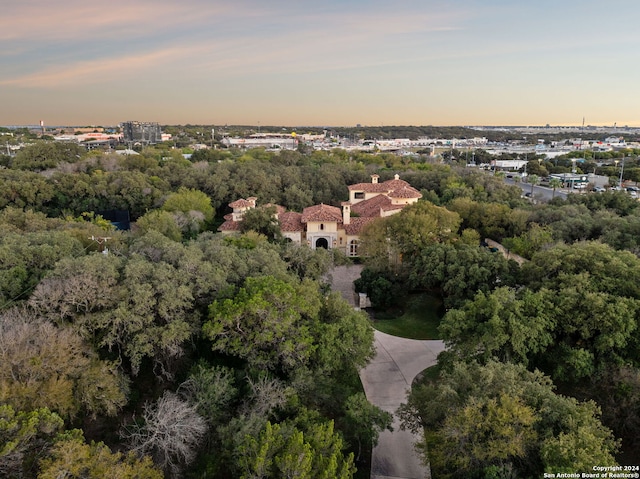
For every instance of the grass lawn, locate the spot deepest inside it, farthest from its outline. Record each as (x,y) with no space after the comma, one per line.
(418,318)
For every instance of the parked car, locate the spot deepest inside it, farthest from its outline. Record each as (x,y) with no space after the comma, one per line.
(599,189)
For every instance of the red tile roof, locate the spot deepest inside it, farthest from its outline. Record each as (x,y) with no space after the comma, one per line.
(371,207)
(370,187)
(229,226)
(242,203)
(291,222)
(356,225)
(401,189)
(321,212)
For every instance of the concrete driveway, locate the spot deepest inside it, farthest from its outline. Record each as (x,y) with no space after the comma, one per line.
(386,381)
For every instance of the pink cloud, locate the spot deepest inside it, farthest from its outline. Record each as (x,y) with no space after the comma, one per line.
(94,71)
(79,20)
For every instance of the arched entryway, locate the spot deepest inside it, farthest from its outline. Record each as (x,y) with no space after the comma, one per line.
(322,243)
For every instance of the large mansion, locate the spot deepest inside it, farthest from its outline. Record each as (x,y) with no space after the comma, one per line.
(325,226)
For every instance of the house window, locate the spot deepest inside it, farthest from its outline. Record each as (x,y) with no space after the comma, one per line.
(321,226)
(359,195)
(353,248)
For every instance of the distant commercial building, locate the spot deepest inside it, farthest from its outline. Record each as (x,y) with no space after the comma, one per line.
(572,180)
(144,133)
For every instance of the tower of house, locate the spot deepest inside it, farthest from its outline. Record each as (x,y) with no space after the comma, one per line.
(346,212)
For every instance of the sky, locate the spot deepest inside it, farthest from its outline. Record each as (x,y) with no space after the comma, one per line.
(331,63)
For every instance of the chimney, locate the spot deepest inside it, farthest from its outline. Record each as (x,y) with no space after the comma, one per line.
(346,212)
(396,176)
(374,179)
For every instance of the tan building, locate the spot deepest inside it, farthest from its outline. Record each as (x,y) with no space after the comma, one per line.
(325,226)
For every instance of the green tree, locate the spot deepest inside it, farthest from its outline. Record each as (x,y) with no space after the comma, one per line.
(262,220)
(153,318)
(405,234)
(282,451)
(458,271)
(162,222)
(530,242)
(533,180)
(266,323)
(192,209)
(500,324)
(212,389)
(44,155)
(25,257)
(71,457)
(555,183)
(364,422)
(24,437)
(478,417)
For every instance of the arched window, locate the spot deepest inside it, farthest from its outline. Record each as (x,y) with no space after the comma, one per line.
(321,226)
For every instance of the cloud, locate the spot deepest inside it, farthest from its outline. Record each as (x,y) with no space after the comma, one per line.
(79,20)
(93,71)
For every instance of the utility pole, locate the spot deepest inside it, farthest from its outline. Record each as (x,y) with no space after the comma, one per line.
(101,240)
(621,171)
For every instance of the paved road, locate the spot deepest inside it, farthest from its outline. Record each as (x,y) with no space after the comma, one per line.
(540,192)
(386,381)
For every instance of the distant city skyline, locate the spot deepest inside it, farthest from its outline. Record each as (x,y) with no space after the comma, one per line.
(333,63)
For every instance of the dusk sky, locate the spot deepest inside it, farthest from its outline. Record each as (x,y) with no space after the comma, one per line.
(331,63)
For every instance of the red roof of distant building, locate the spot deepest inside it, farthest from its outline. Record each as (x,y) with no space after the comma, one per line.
(242,203)
(357,224)
(401,189)
(229,226)
(321,212)
(291,222)
(370,187)
(371,207)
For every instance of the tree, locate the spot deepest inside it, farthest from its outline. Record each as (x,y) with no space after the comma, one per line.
(191,208)
(534,180)
(262,220)
(282,451)
(500,324)
(478,417)
(267,323)
(162,221)
(170,431)
(406,233)
(44,155)
(555,183)
(381,287)
(71,457)
(364,422)
(153,318)
(530,242)
(24,437)
(458,271)
(25,257)
(46,366)
(211,389)
(77,287)
(607,270)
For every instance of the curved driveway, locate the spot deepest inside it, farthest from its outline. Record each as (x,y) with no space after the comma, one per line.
(386,381)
